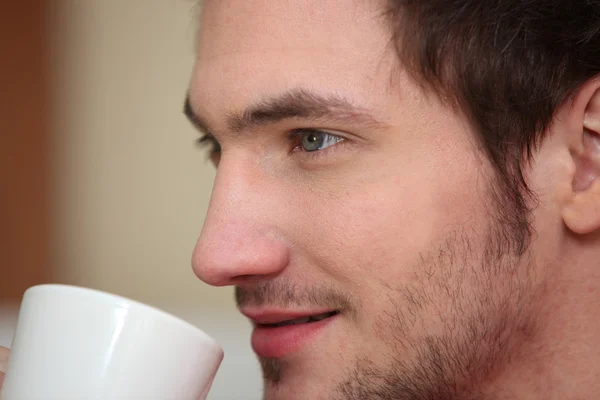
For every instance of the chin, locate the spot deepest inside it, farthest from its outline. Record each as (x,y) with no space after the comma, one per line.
(304,392)
(296,385)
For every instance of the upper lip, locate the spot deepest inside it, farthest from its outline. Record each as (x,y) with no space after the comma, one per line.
(264,316)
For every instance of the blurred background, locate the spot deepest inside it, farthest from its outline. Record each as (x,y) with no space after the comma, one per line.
(102,184)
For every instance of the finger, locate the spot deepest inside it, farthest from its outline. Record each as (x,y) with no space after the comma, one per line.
(4,355)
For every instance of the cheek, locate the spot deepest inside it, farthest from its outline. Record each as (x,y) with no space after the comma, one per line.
(376,225)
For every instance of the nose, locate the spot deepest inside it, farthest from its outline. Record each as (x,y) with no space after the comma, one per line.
(240,239)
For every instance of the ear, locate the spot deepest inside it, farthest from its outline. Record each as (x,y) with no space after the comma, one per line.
(581,211)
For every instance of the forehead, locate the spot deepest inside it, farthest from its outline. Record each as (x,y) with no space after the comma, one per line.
(249,49)
(340,23)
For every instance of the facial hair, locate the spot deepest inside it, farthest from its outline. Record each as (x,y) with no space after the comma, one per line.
(282,293)
(484,300)
(481,290)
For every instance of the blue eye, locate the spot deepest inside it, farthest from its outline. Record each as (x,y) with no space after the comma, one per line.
(314,140)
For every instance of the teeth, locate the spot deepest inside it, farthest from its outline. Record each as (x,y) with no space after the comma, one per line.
(305,320)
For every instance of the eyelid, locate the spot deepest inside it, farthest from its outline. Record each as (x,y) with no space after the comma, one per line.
(295,133)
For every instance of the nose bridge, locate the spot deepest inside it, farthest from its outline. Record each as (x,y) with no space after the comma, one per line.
(236,196)
(234,186)
(240,237)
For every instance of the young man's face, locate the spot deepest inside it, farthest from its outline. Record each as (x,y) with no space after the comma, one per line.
(344,191)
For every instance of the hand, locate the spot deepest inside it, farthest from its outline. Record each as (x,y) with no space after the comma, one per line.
(4,354)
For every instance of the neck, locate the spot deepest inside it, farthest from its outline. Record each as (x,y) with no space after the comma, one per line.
(563,360)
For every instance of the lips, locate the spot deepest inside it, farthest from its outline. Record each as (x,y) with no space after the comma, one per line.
(280,334)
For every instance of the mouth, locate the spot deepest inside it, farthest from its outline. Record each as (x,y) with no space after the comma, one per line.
(278,335)
(303,320)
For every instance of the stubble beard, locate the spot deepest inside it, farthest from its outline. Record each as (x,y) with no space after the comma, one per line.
(272,369)
(484,299)
(484,293)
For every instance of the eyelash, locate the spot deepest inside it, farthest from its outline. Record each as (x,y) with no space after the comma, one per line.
(295,136)
(208,140)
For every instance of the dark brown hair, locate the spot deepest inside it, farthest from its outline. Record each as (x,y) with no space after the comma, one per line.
(507,65)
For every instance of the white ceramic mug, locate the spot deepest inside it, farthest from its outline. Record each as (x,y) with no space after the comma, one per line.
(74,343)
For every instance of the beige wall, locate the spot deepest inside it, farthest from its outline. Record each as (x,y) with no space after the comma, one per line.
(131,187)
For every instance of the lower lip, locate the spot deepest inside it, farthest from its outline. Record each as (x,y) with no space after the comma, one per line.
(285,340)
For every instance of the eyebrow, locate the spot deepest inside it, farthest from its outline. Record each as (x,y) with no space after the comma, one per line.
(291,104)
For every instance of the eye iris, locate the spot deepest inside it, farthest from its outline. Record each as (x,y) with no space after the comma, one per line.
(312,142)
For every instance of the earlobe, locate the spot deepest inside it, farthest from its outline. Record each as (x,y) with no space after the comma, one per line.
(581,213)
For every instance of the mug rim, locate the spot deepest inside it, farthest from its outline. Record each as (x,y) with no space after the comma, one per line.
(122,301)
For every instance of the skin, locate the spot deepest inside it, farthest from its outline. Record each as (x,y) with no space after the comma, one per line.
(395,226)
(399,217)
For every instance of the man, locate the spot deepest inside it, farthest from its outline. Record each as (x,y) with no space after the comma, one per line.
(408,193)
